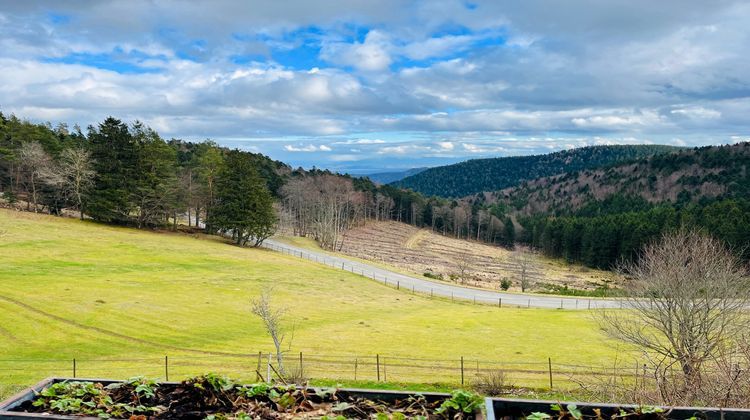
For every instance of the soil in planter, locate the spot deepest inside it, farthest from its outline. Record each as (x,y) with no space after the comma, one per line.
(215,397)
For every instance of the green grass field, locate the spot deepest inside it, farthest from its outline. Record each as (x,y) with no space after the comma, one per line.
(118,300)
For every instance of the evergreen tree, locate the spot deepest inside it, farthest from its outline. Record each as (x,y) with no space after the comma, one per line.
(243,203)
(115,155)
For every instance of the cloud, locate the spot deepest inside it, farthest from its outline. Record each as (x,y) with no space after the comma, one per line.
(307,148)
(404,81)
(370,55)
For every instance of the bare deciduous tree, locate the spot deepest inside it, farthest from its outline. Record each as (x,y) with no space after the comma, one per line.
(324,206)
(35,163)
(524,266)
(272,320)
(688,294)
(463,264)
(77,172)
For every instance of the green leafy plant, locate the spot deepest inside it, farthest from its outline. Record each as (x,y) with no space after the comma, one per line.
(538,416)
(462,402)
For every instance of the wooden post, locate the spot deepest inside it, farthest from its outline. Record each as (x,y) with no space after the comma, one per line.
(499,302)
(412,289)
(355,369)
(475,300)
(257,369)
(74,367)
(529,304)
(377,365)
(462,370)
(268,368)
(561,303)
(300,364)
(166,368)
(431,291)
(549,360)
(398,284)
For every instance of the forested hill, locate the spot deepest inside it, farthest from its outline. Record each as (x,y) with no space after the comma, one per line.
(692,175)
(599,217)
(478,175)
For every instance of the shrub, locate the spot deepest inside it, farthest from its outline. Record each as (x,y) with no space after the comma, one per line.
(493,383)
(505,283)
(431,275)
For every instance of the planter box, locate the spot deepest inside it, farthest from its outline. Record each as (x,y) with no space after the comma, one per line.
(8,406)
(496,408)
(515,408)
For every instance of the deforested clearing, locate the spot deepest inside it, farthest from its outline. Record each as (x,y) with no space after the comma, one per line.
(420,251)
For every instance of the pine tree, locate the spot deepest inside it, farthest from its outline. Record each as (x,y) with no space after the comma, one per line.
(243,204)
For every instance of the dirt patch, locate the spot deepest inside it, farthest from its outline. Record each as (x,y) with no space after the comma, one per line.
(420,251)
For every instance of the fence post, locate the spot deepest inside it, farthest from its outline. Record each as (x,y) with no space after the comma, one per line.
(257,369)
(499,302)
(529,304)
(300,364)
(475,300)
(377,365)
(549,360)
(355,368)
(398,284)
(166,368)
(561,303)
(268,369)
(431,291)
(74,367)
(462,370)
(589,303)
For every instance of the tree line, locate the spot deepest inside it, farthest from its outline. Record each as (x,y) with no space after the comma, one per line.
(127,174)
(603,240)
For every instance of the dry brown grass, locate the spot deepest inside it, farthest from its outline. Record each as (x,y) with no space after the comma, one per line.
(421,250)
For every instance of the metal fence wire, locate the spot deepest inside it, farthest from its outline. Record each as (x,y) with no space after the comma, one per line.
(262,366)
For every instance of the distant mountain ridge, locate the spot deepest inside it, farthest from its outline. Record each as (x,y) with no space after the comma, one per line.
(480,175)
(389,177)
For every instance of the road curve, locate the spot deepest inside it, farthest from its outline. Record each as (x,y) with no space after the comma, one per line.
(426,286)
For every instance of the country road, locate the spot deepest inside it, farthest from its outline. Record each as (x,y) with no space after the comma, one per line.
(426,286)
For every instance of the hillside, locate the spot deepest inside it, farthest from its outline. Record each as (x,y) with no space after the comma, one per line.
(601,216)
(118,300)
(690,175)
(479,175)
(420,251)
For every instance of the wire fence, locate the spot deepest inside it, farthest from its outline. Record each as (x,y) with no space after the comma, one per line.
(402,282)
(455,372)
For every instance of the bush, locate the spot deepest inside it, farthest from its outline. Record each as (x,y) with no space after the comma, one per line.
(505,284)
(493,383)
(431,275)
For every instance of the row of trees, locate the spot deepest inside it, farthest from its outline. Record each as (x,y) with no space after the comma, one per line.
(324,206)
(127,174)
(603,240)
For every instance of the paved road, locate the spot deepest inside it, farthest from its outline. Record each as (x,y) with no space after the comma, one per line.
(426,286)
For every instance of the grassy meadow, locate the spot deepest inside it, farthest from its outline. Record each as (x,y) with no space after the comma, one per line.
(118,300)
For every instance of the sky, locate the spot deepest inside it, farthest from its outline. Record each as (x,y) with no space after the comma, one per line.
(365,86)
